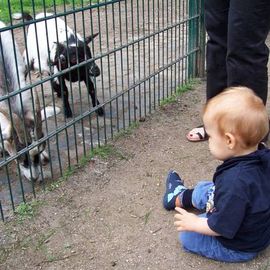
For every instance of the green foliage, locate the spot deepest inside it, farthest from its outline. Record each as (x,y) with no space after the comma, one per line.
(168,100)
(127,131)
(187,87)
(27,210)
(67,173)
(103,151)
(34,6)
(179,91)
(106,151)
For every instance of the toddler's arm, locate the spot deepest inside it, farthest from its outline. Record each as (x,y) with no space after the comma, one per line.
(185,221)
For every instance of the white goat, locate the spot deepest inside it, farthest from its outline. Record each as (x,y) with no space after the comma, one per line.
(20,113)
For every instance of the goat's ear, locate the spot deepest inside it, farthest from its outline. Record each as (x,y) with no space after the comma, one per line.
(49,111)
(90,38)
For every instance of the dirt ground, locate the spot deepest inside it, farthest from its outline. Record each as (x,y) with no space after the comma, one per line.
(109,215)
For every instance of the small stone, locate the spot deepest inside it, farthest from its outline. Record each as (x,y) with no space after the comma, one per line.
(113,263)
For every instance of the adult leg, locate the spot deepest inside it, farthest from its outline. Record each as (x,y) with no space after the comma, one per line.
(247,56)
(216,23)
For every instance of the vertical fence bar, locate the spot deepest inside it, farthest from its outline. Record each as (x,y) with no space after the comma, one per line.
(202,40)
(196,38)
(191,37)
(133,59)
(1,211)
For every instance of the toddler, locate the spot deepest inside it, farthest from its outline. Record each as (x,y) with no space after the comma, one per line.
(235,224)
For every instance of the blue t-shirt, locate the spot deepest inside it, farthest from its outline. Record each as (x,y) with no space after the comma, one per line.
(241,213)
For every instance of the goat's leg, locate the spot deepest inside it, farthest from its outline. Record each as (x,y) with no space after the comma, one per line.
(56,88)
(92,93)
(64,95)
(26,71)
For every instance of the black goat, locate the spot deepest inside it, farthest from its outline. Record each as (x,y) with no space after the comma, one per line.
(66,49)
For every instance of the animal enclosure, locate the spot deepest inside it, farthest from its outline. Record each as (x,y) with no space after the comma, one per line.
(98,67)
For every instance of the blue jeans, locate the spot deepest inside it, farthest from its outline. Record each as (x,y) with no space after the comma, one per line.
(204,245)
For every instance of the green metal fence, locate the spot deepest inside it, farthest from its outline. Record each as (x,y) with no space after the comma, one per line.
(144,50)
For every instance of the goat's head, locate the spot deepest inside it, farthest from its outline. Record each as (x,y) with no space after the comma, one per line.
(24,129)
(74,52)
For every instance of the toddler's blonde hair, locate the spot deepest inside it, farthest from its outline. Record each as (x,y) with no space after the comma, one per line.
(239,111)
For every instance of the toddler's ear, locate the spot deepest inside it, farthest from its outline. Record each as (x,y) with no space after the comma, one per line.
(230,140)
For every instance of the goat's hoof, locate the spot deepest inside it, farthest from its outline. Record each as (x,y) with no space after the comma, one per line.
(68,113)
(100,111)
(57,90)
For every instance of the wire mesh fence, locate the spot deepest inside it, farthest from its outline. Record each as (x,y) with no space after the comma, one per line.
(75,73)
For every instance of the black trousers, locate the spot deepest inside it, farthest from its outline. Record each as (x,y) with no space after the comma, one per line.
(236,50)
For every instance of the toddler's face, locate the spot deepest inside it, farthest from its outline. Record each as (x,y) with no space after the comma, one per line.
(218,144)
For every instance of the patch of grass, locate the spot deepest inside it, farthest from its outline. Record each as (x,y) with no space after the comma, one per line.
(49,6)
(126,132)
(179,91)
(187,87)
(67,173)
(27,210)
(103,151)
(168,100)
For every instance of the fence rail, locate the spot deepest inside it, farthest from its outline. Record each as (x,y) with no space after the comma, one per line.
(144,51)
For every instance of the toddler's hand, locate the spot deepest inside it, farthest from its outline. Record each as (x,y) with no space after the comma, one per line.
(184,221)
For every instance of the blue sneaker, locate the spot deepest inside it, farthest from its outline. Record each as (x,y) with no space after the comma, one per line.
(174,187)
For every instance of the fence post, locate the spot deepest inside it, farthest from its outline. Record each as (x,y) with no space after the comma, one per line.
(192,38)
(196,39)
(202,36)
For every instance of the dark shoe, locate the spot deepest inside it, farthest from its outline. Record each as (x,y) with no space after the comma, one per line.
(174,187)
